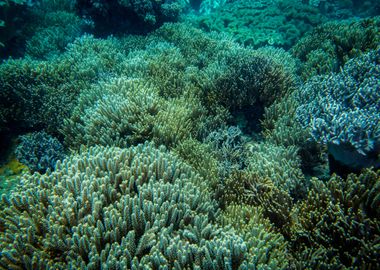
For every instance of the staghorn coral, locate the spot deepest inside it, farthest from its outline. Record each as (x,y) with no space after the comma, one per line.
(245,78)
(246,187)
(40,94)
(201,157)
(160,63)
(54,32)
(279,124)
(338,223)
(39,28)
(227,144)
(173,57)
(198,47)
(51,27)
(280,127)
(261,23)
(245,81)
(94,58)
(335,114)
(272,179)
(120,113)
(341,111)
(39,151)
(181,60)
(329,46)
(36,94)
(259,234)
(124,111)
(178,120)
(116,208)
(278,163)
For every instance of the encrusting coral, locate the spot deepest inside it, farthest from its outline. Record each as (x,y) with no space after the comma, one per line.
(116,209)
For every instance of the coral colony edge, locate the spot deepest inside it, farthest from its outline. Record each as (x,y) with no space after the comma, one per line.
(189,134)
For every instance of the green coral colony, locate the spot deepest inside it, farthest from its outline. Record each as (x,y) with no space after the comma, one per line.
(190,134)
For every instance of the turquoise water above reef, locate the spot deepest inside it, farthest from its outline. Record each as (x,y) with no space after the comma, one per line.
(189,134)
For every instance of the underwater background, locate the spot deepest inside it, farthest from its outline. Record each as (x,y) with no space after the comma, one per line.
(190,134)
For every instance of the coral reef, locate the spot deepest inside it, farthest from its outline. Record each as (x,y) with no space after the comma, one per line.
(246,187)
(130,16)
(39,151)
(227,144)
(12,19)
(329,46)
(245,81)
(342,111)
(335,114)
(259,235)
(278,163)
(153,12)
(40,94)
(208,6)
(265,22)
(35,93)
(187,149)
(53,25)
(55,31)
(182,76)
(242,77)
(161,63)
(349,8)
(338,224)
(124,112)
(280,127)
(201,157)
(116,208)
(226,77)
(279,124)
(178,120)
(41,29)
(119,113)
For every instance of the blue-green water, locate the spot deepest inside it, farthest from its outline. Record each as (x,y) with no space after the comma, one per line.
(189,134)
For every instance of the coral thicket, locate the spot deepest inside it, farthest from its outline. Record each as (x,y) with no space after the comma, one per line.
(116,208)
(39,151)
(246,136)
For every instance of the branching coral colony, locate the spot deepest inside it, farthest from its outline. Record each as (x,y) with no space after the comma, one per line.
(182,149)
(135,207)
